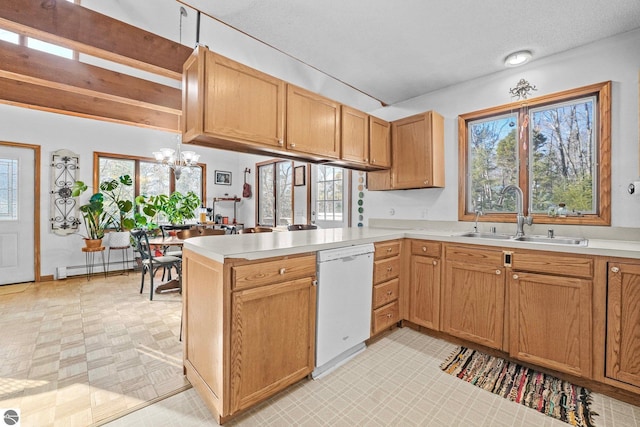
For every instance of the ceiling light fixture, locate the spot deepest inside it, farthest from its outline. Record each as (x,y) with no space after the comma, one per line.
(517,58)
(176,159)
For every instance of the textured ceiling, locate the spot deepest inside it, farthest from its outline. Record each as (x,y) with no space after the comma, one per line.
(397,50)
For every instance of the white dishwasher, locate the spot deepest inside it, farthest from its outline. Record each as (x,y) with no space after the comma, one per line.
(343,323)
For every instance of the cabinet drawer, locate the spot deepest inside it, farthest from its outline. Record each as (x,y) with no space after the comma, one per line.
(474,255)
(385,316)
(267,272)
(387,249)
(426,248)
(557,264)
(386,269)
(385,292)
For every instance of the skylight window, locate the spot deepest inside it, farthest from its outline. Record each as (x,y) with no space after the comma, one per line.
(9,36)
(49,48)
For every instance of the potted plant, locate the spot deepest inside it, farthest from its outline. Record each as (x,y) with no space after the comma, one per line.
(95,219)
(120,207)
(177,207)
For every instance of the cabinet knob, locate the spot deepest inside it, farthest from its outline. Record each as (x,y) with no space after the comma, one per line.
(426,182)
(389,315)
(435,262)
(280,142)
(366,160)
(498,272)
(389,293)
(515,276)
(389,268)
(424,249)
(282,271)
(293,144)
(373,160)
(389,249)
(615,269)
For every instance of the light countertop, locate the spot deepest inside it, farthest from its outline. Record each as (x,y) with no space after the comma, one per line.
(265,245)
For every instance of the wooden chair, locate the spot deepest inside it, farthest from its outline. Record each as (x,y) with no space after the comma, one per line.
(298,227)
(256,230)
(211,232)
(186,234)
(151,263)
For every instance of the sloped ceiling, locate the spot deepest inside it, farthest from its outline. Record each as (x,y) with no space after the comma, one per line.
(397,50)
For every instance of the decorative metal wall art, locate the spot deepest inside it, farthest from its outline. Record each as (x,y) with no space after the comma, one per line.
(64,208)
(522,89)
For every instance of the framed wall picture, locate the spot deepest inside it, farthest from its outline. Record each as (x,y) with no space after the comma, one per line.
(223,178)
(299,175)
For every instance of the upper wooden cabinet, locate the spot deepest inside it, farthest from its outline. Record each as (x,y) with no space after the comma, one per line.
(355,136)
(379,142)
(418,154)
(313,124)
(225,102)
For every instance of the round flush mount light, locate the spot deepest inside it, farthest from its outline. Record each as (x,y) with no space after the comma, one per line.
(517,58)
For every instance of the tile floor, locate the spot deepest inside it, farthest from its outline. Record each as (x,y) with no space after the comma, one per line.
(395,382)
(75,352)
(78,353)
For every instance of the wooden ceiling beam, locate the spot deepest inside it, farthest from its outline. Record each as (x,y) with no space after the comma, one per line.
(86,31)
(29,65)
(42,97)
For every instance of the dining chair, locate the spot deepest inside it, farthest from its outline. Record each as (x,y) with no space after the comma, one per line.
(251,230)
(211,232)
(151,263)
(186,234)
(299,227)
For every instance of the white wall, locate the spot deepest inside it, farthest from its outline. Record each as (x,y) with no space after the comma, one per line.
(84,136)
(616,59)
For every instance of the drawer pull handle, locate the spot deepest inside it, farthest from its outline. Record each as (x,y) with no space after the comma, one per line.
(515,276)
(615,269)
(498,272)
(282,271)
(389,269)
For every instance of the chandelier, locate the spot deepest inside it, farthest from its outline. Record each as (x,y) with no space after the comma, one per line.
(176,159)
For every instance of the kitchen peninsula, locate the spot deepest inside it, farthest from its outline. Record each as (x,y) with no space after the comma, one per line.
(249,305)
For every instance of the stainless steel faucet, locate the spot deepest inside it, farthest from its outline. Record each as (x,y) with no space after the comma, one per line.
(520,218)
(479,212)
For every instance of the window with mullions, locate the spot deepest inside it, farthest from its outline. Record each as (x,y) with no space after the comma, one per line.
(149,177)
(274,201)
(556,148)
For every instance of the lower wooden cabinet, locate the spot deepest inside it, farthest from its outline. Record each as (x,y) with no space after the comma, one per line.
(249,327)
(551,321)
(272,339)
(623,323)
(424,284)
(386,286)
(474,295)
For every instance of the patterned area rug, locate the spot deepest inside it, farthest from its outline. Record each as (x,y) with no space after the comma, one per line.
(544,393)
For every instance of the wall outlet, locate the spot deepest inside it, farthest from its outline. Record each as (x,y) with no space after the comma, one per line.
(61,273)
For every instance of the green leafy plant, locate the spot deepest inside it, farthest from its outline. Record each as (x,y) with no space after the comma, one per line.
(94,217)
(115,193)
(177,207)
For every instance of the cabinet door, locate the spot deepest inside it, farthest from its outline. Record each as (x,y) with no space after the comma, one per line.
(424,292)
(313,123)
(623,323)
(551,321)
(272,339)
(242,103)
(379,142)
(355,136)
(473,302)
(418,151)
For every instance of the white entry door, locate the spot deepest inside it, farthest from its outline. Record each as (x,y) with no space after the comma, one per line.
(329,196)
(16,215)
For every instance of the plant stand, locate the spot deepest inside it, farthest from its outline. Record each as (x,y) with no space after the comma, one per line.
(90,254)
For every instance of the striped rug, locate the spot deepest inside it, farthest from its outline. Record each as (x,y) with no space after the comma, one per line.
(544,393)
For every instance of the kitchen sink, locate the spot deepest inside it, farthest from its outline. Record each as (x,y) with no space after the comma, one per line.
(556,240)
(481,235)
